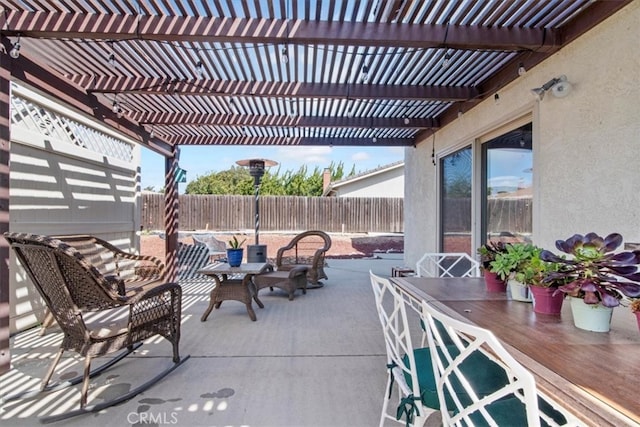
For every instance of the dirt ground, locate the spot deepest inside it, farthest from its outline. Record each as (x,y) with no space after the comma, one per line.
(342,245)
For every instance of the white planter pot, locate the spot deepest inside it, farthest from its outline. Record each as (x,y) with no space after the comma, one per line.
(591,317)
(519,291)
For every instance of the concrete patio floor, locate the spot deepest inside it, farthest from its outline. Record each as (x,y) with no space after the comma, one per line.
(316,361)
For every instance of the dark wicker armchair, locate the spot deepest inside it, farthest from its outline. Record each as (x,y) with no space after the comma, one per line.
(78,295)
(307,249)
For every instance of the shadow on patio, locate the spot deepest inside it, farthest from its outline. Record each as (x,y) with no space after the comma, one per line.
(315,361)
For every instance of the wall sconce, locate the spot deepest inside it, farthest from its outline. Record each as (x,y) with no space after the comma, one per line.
(559,87)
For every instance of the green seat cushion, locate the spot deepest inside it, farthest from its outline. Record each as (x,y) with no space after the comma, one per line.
(482,373)
(512,412)
(486,377)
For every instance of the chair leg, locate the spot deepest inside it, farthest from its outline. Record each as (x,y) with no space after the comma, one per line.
(52,367)
(46,323)
(85,381)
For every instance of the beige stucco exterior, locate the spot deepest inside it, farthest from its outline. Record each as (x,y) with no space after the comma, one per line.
(586,146)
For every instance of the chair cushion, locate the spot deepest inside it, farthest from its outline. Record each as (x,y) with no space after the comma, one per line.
(107,323)
(485,375)
(512,412)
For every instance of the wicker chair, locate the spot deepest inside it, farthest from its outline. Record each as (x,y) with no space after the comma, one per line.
(79,296)
(306,249)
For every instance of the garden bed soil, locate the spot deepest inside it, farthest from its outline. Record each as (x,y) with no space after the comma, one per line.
(343,246)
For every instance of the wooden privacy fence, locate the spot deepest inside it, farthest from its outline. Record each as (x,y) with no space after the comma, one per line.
(331,214)
(230,213)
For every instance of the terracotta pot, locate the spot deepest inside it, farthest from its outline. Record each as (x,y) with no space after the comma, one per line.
(544,300)
(494,282)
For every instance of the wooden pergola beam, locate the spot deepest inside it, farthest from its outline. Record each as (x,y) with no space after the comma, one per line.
(291,141)
(275,31)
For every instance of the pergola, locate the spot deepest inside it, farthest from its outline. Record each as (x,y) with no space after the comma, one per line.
(288,72)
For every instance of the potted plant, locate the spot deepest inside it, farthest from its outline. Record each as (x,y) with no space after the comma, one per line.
(510,262)
(635,309)
(235,252)
(595,276)
(488,253)
(546,297)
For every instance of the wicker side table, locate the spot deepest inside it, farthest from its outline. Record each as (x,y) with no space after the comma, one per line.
(236,289)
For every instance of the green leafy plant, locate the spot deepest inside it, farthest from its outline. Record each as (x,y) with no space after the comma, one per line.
(513,259)
(489,251)
(234,243)
(535,270)
(595,272)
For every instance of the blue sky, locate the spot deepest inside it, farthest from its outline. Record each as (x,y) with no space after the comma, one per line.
(202,160)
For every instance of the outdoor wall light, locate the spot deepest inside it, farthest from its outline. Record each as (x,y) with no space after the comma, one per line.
(559,87)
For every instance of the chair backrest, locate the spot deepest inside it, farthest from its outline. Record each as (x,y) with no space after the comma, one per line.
(506,393)
(64,279)
(215,246)
(308,247)
(191,258)
(452,264)
(397,337)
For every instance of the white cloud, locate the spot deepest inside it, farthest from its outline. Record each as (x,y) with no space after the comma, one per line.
(360,156)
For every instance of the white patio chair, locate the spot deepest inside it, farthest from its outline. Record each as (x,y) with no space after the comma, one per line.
(217,248)
(408,367)
(479,383)
(452,264)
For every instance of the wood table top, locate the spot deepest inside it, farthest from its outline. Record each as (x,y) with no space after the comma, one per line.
(593,374)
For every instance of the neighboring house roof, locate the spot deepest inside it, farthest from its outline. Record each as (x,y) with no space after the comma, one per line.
(333,186)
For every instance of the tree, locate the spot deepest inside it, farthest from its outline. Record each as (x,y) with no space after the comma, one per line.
(237,180)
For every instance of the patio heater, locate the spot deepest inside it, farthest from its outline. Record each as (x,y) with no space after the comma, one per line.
(256,252)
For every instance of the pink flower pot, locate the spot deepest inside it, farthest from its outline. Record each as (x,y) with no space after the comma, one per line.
(544,300)
(494,282)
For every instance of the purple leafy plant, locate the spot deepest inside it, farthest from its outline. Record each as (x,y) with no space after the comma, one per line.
(595,272)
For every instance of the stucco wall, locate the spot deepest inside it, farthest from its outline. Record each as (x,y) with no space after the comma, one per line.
(387,183)
(586,167)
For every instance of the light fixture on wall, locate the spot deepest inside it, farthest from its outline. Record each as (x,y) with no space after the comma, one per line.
(496,99)
(559,87)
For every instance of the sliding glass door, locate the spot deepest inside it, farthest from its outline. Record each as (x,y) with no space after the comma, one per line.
(507,165)
(455,196)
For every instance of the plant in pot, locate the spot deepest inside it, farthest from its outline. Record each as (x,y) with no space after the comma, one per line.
(634,305)
(596,276)
(508,263)
(235,252)
(546,297)
(488,253)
